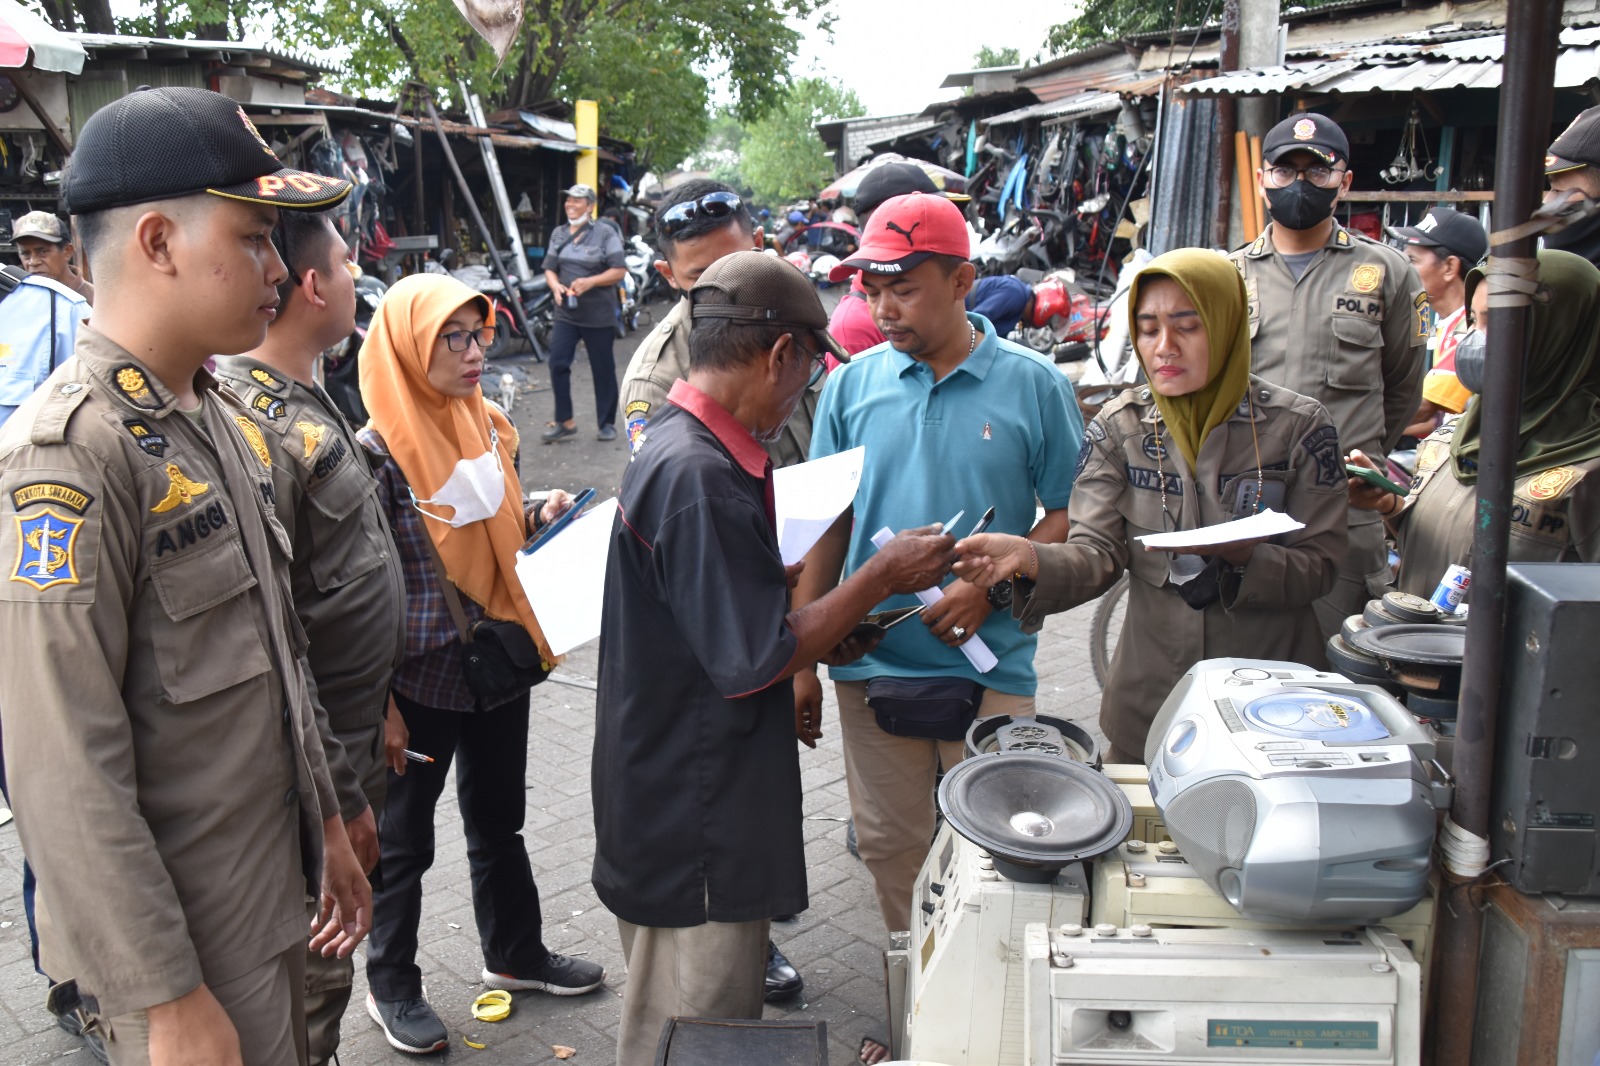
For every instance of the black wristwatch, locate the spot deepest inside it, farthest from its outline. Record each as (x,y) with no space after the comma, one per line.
(1000,594)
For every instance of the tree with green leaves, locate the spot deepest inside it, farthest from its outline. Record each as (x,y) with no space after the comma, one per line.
(1106,21)
(996,57)
(783,158)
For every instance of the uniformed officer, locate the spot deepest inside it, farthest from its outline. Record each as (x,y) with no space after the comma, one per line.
(348,589)
(1572,166)
(697,223)
(158,731)
(1336,316)
(1555,507)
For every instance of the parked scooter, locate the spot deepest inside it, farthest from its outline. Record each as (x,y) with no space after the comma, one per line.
(641,261)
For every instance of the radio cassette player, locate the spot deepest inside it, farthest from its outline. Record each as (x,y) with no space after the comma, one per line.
(1295,793)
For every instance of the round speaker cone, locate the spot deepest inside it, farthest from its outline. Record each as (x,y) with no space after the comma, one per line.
(1428,707)
(1377,616)
(1043,733)
(1033,811)
(1424,659)
(1352,625)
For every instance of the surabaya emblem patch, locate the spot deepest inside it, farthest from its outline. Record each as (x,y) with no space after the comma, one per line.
(47,544)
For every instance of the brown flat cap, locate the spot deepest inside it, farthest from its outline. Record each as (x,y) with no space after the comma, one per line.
(760,289)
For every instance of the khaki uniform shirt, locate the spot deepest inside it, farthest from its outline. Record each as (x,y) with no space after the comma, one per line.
(1265,611)
(663,358)
(1555,517)
(160,741)
(348,588)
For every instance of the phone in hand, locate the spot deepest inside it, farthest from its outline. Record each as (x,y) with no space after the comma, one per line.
(983,523)
(544,535)
(1373,478)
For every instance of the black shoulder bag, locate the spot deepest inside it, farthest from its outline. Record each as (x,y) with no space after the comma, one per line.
(499,660)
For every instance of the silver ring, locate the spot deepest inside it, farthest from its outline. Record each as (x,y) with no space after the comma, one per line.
(959,632)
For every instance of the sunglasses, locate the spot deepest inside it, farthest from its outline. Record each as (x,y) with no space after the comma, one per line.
(675,219)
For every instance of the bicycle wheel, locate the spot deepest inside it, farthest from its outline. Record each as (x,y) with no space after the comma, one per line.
(1105,629)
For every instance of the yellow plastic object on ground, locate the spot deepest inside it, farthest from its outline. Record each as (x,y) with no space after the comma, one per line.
(492,1006)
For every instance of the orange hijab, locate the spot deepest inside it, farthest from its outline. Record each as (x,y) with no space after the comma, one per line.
(426,433)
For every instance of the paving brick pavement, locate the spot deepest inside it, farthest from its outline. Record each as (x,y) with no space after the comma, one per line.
(836,944)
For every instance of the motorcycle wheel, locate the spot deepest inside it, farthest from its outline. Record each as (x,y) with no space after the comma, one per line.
(505,342)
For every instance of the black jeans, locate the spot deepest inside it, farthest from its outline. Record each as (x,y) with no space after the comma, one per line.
(491,753)
(597,342)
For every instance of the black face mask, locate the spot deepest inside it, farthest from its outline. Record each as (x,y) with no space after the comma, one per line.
(1580,238)
(1469,360)
(1302,205)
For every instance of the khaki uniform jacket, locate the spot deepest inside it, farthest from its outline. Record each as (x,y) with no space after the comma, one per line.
(1265,611)
(163,758)
(1555,517)
(663,358)
(348,587)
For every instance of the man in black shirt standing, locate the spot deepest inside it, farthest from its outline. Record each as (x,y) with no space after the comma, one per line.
(696,782)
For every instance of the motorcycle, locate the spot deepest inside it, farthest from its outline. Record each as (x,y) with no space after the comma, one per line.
(1065,322)
(641,263)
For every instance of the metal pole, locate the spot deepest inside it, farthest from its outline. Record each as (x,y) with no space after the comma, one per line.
(1525,95)
(513,294)
(1226,124)
(497,185)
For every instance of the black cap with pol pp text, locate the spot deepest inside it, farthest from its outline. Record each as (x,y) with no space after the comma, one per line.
(159,144)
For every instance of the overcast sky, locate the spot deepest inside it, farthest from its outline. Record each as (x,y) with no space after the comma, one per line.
(894,54)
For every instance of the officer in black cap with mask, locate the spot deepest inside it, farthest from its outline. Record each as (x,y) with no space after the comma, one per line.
(1573,166)
(1336,316)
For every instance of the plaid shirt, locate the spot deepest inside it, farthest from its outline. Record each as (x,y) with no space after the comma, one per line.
(430,672)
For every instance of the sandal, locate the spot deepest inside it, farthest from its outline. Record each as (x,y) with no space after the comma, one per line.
(879,1051)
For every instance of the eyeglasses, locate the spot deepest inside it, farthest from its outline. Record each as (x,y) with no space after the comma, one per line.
(817,371)
(675,219)
(461,340)
(1318,174)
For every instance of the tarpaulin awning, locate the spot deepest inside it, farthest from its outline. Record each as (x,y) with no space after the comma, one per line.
(24,34)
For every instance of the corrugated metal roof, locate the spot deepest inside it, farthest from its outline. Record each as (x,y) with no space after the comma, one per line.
(1090,103)
(1422,63)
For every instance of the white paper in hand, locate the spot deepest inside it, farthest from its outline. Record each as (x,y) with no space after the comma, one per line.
(977,652)
(566,579)
(809,497)
(1268,523)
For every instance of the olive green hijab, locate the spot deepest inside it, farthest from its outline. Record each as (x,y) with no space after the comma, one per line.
(1561,383)
(1216,289)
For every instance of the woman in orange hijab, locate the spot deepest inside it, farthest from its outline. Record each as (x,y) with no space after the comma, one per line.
(448,480)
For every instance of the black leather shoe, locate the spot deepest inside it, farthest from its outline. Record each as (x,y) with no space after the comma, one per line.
(783,980)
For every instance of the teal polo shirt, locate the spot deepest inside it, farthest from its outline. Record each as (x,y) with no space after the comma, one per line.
(1001,430)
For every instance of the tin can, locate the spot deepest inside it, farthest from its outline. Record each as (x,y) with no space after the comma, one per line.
(1452,589)
(572,301)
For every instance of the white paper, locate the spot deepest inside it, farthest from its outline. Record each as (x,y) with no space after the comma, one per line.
(566,579)
(1268,523)
(809,498)
(976,651)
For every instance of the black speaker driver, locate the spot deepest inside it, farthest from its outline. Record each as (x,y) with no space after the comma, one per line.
(1425,659)
(1037,812)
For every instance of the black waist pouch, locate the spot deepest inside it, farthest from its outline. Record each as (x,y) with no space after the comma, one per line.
(930,708)
(500,661)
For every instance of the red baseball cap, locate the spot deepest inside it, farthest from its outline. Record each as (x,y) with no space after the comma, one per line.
(905,230)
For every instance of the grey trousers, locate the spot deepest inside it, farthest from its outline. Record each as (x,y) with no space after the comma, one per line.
(715,970)
(266,1004)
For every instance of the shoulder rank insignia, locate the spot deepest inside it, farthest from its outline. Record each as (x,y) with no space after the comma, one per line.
(1551,484)
(311,434)
(46,549)
(270,406)
(148,440)
(69,496)
(133,384)
(182,490)
(266,380)
(1343,240)
(253,437)
(1366,277)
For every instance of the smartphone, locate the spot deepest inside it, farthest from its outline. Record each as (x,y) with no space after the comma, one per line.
(543,536)
(1372,477)
(983,523)
(880,623)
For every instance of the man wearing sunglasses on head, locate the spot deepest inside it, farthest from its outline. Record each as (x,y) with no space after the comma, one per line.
(697,224)
(1336,316)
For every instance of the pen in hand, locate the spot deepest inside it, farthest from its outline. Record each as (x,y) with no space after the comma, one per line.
(416,756)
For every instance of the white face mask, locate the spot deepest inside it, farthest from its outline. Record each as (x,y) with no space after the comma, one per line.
(475,488)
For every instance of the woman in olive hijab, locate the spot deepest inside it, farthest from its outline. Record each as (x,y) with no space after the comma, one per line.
(1203,443)
(1555,512)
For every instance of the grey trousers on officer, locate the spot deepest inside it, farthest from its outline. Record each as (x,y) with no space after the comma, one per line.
(329,981)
